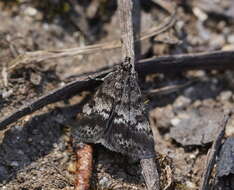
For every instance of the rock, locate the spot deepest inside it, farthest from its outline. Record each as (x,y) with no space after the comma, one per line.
(196,127)
(225,95)
(163,117)
(181,102)
(30,11)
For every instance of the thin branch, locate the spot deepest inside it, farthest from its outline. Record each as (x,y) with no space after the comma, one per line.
(128,28)
(129,24)
(62,93)
(173,63)
(219,60)
(150,173)
(211,156)
(214,60)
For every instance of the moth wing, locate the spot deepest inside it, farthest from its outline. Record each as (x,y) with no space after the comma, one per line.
(90,125)
(130,132)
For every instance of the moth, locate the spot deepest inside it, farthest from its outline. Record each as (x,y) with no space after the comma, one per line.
(116,116)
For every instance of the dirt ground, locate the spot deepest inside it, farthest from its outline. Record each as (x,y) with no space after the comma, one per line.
(35,152)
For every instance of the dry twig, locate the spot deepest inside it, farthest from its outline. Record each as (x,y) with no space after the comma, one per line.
(129,24)
(211,156)
(214,60)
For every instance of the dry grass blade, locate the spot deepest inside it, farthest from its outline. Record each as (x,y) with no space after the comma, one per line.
(39,56)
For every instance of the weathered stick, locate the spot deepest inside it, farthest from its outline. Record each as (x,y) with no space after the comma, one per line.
(219,60)
(173,63)
(211,156)
(57,95)
(215,60)
(150,173)
(129,24)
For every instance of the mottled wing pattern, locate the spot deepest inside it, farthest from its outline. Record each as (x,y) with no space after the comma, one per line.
(130,132)
(116,117)
(90,125)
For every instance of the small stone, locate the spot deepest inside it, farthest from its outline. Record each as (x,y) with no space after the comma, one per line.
(230,39)
(225,96)
(175,121)
(191,185)
(201,15)
(30,11)
(181,102)
(196,127)
(6,94)
(197,103)
(35,78)
(217,41)
(103,181)
(208,102)
(193,156)
(163,116)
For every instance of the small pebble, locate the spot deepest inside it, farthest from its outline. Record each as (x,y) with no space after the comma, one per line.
(30,11)
(230,39)
(190,185)
(175,121)
(217,41)
(181,102)
(202,16)
(6,94)
(35,79)
(197,103)
(225,96)
(103,181)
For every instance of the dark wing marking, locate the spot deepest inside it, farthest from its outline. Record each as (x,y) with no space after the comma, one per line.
(130,132)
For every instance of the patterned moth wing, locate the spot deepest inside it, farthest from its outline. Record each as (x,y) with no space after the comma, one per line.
(116,117)
(130,132)
(90,125)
